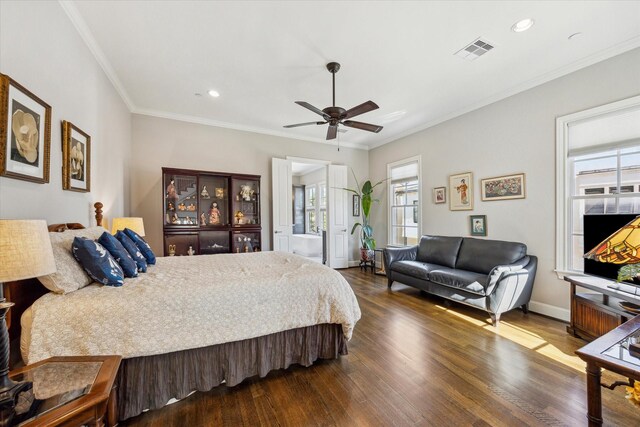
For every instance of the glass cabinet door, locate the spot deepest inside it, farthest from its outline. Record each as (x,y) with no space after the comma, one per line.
(246,201)
(246,241)
(214,200)
(214,242)
(180,200)
(180,244)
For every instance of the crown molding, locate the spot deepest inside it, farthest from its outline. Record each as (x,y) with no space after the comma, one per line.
(226,125)
(81,26)
(603,55)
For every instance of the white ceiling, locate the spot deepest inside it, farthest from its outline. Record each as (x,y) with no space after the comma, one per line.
(262,56)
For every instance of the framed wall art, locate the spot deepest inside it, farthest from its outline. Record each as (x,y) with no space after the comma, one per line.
(461,192)
(439,195)
(25,133)
(478,225)
(76,158)
(503,187)
(356,205)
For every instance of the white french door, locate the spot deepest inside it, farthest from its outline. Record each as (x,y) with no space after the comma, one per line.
(337,220)
(282,199)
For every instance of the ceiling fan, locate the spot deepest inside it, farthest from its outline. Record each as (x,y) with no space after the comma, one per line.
(339,116)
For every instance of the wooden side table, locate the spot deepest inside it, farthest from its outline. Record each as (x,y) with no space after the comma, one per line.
(68,391)
(609,352)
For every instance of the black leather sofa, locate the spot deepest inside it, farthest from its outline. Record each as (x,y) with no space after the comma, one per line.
(492,275)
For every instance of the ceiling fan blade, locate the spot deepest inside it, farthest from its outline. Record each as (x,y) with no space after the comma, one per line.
(365,107)
(304,124)
(332,132)
(314,109)
(363,126)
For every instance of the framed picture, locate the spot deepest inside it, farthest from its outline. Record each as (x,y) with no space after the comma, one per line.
(478,225)
(25,133)
(356,205)
(503,187)
(439,195)
(461,192)
(76,158)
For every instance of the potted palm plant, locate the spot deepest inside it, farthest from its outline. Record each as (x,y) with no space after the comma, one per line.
(367,242)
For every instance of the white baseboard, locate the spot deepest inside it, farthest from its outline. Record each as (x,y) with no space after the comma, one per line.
(353,263)
(550,310)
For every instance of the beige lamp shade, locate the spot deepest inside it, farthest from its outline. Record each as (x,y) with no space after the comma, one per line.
(132,223)
(25,249)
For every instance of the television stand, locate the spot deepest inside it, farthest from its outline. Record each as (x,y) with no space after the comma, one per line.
(595,308)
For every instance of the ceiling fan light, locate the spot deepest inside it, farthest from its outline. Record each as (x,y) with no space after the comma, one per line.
(214,93)
(522,25)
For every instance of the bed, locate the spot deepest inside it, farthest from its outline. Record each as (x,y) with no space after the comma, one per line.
(192,323)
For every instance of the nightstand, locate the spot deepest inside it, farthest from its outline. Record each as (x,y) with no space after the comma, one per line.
(68,391)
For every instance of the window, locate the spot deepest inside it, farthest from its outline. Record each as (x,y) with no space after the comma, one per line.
(598,170)
(404,202)
(310,209)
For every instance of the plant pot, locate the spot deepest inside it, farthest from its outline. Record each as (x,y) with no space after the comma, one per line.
(366,254)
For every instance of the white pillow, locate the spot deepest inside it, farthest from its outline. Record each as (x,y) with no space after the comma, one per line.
(70,276)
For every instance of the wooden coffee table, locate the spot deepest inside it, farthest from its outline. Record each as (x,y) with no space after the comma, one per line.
(609,352)
(69,391)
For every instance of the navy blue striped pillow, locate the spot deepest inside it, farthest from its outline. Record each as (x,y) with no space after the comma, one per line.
(120,254)
(133,250)
(97,262)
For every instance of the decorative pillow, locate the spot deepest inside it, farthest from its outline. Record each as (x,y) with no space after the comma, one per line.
(69,276)
(119,253)
(133,250)
(97,262)
(142,245)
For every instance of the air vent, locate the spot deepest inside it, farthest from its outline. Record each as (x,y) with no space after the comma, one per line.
(474,50)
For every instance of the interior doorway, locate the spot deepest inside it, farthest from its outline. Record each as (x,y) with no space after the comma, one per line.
(310,210)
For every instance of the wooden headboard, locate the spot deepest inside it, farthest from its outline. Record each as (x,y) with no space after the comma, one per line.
(23,293)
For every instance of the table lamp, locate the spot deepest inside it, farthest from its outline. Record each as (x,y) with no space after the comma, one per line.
(132,223)
(622,248)
(25,252)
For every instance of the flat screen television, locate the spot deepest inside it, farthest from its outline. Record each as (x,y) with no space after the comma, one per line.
(596,229)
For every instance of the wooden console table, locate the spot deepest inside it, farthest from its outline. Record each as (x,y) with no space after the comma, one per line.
(609,352)
(597,312)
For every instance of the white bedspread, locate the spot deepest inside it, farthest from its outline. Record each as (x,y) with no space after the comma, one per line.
(190,302)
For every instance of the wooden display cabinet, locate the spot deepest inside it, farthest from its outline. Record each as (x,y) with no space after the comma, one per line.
(204,211)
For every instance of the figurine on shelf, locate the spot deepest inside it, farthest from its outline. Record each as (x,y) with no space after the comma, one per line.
(171,206)
(204,193)
(214,214)
(175,219)
(203,219)
(172,250)
(188,220)
(246,192)
(219,193)
(191,207)
(182,207)
(239,215)
(171,190)
(191,251)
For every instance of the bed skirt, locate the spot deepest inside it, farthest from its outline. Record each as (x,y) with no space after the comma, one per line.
(150,382)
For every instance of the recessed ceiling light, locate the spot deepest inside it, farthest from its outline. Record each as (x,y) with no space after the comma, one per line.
(214,93)
(574,36)
(197,94)
(522,25)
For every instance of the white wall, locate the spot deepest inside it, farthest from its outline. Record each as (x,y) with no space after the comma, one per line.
(159,142)
(40,49)
(510,136)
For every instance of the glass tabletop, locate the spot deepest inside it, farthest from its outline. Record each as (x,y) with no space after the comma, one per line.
(620,350)
(54,384)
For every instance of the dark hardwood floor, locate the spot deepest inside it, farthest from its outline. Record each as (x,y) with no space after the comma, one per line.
(413,361)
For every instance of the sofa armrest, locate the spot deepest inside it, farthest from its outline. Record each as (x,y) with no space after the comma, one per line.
(511,285)
(392,255)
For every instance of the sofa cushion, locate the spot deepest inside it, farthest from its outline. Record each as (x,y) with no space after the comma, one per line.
(414,268)
(482,256)
(441,250)
(468,281)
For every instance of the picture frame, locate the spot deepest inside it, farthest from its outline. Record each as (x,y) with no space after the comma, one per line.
(478,225)
(440,195)
(461,192)
(504,187)
(76,158)
(356,205)
(25,133)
